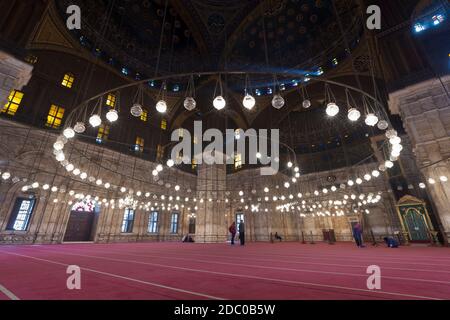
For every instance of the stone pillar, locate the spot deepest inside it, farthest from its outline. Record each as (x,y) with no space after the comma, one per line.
(211,221)
(14,74)
(425,111)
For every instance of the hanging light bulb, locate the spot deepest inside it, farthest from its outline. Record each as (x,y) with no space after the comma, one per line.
(249,102)
(395,153)
(136,110)
(159,168)
(69,133)
(354,114)
(383,125)
(306,104)
(332,109)
(60,157)
(392,158)
(371,120)
(58,145)
(161,106)
(170,163)
(278,101)
(190,103)
(79,127)
(397,148)
(391,134)
(395,140)
(6,175)
(95,120)
(219,103)
(389,164)
(112,115)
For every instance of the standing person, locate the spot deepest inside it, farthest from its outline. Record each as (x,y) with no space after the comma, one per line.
(232,230)
(242,233)
(357,234)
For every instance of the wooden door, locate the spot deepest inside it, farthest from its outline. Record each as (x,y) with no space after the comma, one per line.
(79,227)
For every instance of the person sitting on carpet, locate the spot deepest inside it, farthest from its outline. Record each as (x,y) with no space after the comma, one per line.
(187,238)
(277,237)
(391,242)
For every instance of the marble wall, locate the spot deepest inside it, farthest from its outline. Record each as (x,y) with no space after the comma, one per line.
(27,153)
(425,111)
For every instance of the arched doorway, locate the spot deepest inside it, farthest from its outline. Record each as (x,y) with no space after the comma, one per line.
(82,221)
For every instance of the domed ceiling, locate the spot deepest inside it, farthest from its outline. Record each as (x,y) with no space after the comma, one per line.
(267,36)
(201,35)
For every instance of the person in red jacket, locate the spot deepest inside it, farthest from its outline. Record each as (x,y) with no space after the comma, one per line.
(233,231)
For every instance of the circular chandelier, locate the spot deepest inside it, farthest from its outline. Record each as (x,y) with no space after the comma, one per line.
(371,108)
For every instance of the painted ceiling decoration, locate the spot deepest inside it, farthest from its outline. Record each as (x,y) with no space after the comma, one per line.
(199,34)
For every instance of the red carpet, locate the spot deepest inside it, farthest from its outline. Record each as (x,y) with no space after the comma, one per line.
(286,271)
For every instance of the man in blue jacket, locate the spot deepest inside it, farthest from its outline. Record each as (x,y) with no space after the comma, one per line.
(357,234)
